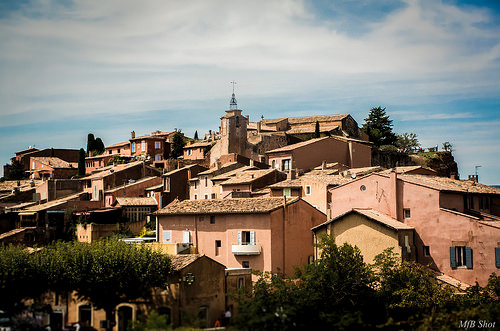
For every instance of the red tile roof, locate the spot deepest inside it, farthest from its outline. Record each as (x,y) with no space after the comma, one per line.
(226,206)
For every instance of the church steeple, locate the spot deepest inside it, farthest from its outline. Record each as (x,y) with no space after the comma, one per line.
(232,104)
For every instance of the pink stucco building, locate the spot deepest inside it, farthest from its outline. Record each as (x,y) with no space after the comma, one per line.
(266,234)
(311,153)
(457,223)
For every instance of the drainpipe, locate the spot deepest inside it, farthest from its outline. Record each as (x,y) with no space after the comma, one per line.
(283,229)
(394,183)
(196,234)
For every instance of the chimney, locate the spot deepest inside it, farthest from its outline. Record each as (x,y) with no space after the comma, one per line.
(217,165)
(132,135)
(323,165)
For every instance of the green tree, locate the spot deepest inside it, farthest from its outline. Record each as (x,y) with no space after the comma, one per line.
(14,171)
(378,127)
(447,146)
(90,142)
(196,135)
(316,130)
(98,146)
(407,141)
(18,279)
(336,292)
(177,145)
(81,162)
(105,273)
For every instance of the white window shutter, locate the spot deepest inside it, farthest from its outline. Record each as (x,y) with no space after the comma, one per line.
(167,237)
(252,237)
(239,237)
(187,237)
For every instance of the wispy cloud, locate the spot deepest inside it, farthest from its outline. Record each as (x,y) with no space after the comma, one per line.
(62,60)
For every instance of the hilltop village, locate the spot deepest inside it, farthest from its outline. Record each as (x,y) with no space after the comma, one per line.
(249,196)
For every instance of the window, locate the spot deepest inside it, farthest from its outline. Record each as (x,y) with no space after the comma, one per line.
(287,192)
(406,213)
(427,251)
(206,181)
(206,196)
(273,164)
(195,184)
(167,184)
(308,189)
(237,122)
(484,202)
(461,256)
(245,264)
(241,282)
(213,196)
(285,165)
(157,145)
(189,152)
(196,196)
(158,157)
(246,237)
(468,202)
(33,165)
(143,147)
(212,219)
(362,188)
(167,237)
(186,237)
(134,147)
(497,257)
(218,246)
(310,259)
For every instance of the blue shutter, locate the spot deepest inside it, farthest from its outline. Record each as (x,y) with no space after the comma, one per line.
(497,257)
(468,257)
(453,261)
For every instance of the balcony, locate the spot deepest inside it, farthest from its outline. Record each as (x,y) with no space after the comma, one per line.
(246,249)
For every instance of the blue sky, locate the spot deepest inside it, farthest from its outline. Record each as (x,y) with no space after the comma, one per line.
(109,67)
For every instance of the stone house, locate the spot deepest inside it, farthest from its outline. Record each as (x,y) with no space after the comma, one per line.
(196,294)
(197,150)
(42,167)
(115,175)
(308,154)
(202,186)
(266,234)
(176,182)
(456,222)
(132,189)
(371,231)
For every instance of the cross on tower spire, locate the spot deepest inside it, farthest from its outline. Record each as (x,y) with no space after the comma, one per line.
(232,104)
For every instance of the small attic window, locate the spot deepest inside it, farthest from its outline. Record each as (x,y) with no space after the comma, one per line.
(362,188)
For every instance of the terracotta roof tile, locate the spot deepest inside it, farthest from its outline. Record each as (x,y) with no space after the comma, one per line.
(181,261)
(124,143)
(319,118)
(54,162)
(226,206)
(107,170)
(448,184)
(247,176)
(199,144)
(297,145)
(136,201)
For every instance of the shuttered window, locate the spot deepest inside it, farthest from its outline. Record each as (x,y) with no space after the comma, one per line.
(461,256)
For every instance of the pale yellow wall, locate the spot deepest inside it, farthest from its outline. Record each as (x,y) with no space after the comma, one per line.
(370,237)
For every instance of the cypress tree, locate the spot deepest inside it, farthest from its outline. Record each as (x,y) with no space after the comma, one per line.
(196,135)
(90,142)
(316,130)
(81,162)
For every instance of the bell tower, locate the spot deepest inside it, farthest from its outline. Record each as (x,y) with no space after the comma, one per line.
(234,128)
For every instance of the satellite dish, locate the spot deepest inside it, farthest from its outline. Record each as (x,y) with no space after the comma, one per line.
(353,175)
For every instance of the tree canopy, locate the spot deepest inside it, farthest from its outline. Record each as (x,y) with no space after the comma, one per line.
(340,291)
(177,145)
(407,141)
(14,171)
(378,127)
(196,135)
(81,162)
(94,145)
(105,273)
(316,130)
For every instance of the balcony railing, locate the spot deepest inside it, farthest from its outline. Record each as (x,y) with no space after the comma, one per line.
(246,249)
